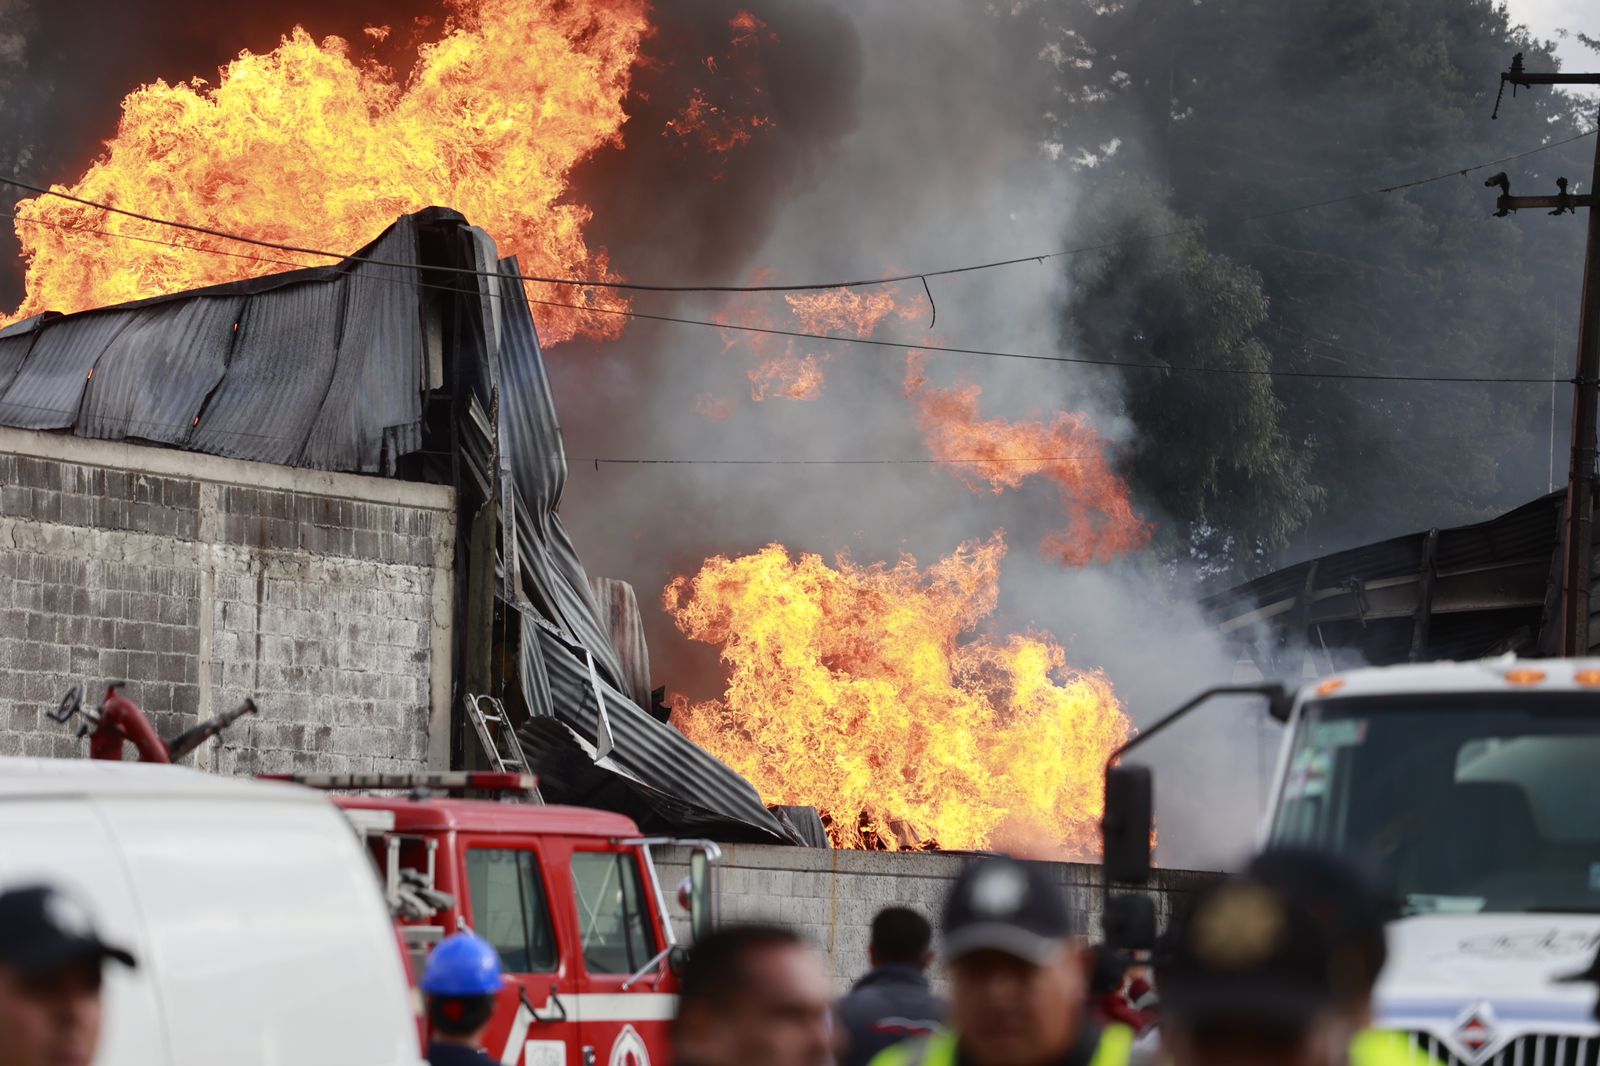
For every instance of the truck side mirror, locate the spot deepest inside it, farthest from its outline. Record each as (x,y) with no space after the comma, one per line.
(1128,822)
(1129,922)
(702,895)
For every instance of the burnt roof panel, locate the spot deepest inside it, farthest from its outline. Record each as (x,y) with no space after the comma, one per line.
(154,376)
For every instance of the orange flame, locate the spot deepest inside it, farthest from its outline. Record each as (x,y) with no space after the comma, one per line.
(720,128)
(787,368)
(850,690)
(994,455)
(306,145)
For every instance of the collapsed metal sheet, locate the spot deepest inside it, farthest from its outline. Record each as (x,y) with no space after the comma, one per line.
(663,770)
(570,668)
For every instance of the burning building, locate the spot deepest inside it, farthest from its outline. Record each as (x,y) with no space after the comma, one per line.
(398,364)
(416,359)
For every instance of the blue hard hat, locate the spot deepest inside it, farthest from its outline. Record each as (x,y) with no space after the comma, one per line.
(464,964)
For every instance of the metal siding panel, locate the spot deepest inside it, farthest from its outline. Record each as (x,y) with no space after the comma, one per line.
(153,378)
(656,754)
(530,435)
(373,404)
(49,386)
(277,376)
(12,352)
(619,613)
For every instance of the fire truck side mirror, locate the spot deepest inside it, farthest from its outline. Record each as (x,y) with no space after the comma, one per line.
(702,895)
(1128,824)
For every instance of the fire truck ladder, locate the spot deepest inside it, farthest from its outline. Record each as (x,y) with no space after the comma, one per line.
(488,716)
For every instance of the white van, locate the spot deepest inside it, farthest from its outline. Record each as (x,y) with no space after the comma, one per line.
(261,933)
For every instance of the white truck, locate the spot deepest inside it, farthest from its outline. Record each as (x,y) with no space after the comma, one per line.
(1475,789)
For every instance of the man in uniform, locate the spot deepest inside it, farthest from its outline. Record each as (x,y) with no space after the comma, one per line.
(50,968)
(1018,978)
(894,1000)
(1251,980)
(461,983)
(752,994)
(1352,908)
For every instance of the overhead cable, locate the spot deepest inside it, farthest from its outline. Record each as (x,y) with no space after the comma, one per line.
(920,275)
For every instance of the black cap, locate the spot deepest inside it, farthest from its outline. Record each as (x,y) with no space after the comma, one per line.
(1343,897)
(43,929)
(1006,905)
(1247,953)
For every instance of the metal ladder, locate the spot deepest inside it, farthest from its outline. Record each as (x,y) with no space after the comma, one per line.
(506,759)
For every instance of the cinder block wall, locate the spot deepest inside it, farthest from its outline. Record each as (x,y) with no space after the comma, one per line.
(201,580)
(832,896)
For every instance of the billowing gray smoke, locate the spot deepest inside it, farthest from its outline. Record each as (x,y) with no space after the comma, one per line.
(906,138)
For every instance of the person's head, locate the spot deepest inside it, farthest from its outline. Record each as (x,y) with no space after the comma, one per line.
(1348,903)
(901,937)
(1018,984)
(461,983)
(50,969)
(753,993)
(1108,968)
(1250,981)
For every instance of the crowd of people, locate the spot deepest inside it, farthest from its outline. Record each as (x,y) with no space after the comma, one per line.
(1275,966)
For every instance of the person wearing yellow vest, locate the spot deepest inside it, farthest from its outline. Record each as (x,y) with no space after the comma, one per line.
(1252,978)
(1018,975)
(1350,904)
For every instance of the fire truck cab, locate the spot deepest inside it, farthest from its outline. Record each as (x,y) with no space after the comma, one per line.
(568,896)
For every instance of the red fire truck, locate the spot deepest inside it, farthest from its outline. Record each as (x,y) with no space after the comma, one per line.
(568,896)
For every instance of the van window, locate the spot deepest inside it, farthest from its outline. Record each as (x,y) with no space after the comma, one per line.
(509,908)
(612,918)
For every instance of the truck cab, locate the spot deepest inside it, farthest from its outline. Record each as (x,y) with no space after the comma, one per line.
(1474,789)
(568,896)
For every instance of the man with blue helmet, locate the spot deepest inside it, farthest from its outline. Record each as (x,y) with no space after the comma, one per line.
(461,983)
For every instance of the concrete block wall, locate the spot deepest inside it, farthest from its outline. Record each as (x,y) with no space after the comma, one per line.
(832,896)
(201,580)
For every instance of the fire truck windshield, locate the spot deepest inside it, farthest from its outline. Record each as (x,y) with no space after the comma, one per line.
(1467,803)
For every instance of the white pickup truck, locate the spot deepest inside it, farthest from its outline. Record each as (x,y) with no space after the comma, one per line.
(1475,788)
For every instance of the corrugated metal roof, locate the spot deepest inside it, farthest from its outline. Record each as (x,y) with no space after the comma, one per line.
(278,373)
(48,387)
(1504,560)
(153,378)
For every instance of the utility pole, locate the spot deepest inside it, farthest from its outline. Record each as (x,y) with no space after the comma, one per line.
(1578,536)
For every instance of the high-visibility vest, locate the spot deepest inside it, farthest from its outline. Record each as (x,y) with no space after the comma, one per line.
(1379,1047)
(1114,1049)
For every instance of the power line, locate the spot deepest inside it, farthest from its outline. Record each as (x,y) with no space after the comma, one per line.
(873,342)
(921,275)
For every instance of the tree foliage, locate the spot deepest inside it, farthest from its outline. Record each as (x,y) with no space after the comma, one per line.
(1242,108)
(1232,486)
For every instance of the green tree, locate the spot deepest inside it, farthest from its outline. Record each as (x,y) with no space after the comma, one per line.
(1246,107)
(1210,454)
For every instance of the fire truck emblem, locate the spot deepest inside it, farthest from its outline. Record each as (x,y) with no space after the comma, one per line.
(629,1050)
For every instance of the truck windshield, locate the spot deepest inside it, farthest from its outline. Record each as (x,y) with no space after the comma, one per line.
(1467,803)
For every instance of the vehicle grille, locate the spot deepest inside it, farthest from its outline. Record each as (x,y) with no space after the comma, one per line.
(1531,1049)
